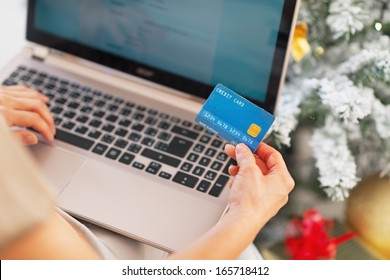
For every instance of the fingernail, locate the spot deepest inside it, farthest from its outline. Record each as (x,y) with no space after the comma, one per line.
(30,140)
(240,148)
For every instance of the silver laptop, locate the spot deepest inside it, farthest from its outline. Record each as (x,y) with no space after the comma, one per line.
(125,80)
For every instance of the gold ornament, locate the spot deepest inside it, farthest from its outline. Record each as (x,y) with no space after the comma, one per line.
(368,213)
(319,51)
(300,47)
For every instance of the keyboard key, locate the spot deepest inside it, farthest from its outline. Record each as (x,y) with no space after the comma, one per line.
(219,185)
(165,175)
(152,112)
(126,158)
(63,82)
(161,146)
(138,165)
(94,134)
(108,127)
(157,156)
(121,132)
(198,171)
(222,156)
(73,105)
(138,116)
(186,123)
(112,108)
(179,147)
(113,153)
(99,114)
(95,123)
(107,97)
(210,175)
(199,148)
(72,139)
(82,119)
(57,121)
(60,101)
(86,109)
(216,165)
(130,104)
(198,127)
(135,148)
(164,125)
(57,110)
(81,129)
(216,143)
(108,139)
(151,131)
(164,136)
(151,120)
(124,123)
(138,127)
(37,82)
(141,108)
(193,157)
(112,118)
(134,137)
(164,116)
(186,166)
(185,132)
(100,103)
(86,89)
(120,143)
(210,152)
(70,115)
(148,141)
(153,168)
(75,94)
(25,78)
(125,112)
(86,99)
(203,186)
(9,82)
(119,100)
(204,161)
(62,90)
(185,179)
(205,139)
(68,125)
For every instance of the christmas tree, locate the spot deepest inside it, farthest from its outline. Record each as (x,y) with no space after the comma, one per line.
(339,84)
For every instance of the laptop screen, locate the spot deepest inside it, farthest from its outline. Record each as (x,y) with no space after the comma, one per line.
(187,45)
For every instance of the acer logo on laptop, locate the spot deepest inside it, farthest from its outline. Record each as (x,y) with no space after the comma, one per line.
(144,72)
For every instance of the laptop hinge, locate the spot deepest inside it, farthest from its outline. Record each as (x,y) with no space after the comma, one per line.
(40,53)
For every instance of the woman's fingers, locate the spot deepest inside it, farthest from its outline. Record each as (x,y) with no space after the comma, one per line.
(25,107)
(26,137)
(23,92)
(271,157)
(27,119)
(29,104)
(230,150)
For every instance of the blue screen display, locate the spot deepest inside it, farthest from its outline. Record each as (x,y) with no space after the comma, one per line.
(220,41)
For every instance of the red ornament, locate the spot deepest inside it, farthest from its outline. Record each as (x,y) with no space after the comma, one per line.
(310,238)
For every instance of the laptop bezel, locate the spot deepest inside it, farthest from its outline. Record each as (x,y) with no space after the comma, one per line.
(165,78)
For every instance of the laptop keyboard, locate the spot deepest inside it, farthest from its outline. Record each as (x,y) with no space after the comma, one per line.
(123,131)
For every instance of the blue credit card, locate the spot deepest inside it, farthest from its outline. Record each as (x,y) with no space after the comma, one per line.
(234,118)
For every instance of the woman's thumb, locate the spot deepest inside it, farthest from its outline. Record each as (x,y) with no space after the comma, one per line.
(244,156)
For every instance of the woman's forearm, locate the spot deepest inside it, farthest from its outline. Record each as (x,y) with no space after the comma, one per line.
(227,240)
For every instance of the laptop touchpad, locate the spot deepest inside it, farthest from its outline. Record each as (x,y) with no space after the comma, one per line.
(58,165)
